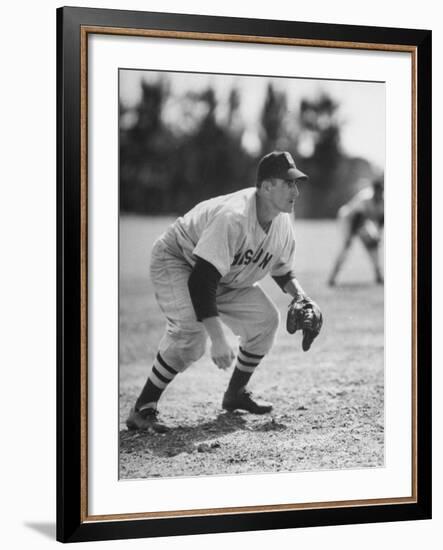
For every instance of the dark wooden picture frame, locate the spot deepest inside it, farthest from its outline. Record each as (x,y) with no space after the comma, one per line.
(74,523)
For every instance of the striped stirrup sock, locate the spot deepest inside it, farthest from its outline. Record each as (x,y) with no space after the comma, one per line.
(159,378)
(244,368)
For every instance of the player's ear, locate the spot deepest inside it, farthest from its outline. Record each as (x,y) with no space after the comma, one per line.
(266,185)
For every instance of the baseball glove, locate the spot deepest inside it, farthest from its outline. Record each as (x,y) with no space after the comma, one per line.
(305,315)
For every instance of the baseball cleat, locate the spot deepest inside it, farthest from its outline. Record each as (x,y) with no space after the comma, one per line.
(145,420)
(245,401)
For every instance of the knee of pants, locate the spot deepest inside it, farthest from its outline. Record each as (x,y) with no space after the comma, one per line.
(265,332)
(192,351)
(183,348)
(272,320)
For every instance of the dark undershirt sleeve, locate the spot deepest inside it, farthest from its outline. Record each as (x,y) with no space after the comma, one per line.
(282,280)
(202,284)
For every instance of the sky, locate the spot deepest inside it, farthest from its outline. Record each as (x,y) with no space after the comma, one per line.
(362,104)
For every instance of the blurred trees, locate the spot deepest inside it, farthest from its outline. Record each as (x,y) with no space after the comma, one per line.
(168,170)
(273,121)
(333,175)
(175,152)
(144,157)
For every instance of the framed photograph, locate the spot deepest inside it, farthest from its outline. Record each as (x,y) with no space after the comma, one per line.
(244,274)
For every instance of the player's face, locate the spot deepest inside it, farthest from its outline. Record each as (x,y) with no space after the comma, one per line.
(283,194)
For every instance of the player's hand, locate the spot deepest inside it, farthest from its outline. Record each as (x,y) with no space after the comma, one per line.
(222,353)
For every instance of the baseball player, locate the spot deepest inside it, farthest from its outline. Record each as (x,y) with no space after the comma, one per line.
(363,217)
(205,270)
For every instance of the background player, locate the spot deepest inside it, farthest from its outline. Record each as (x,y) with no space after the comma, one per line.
(205,270)
(363,217)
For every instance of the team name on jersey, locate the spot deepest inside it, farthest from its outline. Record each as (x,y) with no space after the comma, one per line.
(245,258)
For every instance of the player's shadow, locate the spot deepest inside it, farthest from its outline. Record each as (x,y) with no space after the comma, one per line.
(183,439)
(269,426)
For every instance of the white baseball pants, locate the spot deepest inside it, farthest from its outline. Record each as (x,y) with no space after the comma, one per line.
(248,312)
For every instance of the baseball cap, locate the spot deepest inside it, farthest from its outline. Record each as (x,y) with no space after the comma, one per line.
(278,164)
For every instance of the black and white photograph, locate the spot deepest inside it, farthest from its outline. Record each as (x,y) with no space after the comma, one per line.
(243,333)
(214,334)
(251,274)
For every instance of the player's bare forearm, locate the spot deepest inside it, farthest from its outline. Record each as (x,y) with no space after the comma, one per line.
(294,289)
(214,328)
(221,352)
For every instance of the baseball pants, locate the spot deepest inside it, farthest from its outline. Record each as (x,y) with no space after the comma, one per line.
(248,312)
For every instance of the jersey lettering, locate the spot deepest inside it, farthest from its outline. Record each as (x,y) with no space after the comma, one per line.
(265,260)
(236,258)
(248,256)
(257,256)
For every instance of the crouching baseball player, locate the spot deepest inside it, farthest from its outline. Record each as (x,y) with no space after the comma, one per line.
(363,217)
(205,270)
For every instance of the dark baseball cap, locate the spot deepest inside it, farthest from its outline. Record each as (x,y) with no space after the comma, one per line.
(279,164)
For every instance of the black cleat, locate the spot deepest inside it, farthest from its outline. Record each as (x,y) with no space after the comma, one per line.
(145,419)
(245,401)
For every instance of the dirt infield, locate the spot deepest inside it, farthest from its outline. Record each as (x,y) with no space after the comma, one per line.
(328,403)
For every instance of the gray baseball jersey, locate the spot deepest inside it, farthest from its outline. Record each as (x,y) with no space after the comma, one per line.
(225,232)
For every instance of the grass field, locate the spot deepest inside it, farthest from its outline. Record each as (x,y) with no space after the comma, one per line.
(328,403)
